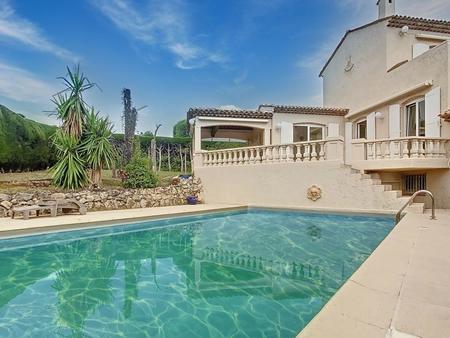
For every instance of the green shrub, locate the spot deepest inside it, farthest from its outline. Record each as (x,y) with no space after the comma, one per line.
(138,174)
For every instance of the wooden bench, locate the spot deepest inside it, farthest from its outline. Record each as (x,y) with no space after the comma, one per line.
(25,211)
(65,206)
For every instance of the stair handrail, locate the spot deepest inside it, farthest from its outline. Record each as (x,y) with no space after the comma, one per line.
(411,199)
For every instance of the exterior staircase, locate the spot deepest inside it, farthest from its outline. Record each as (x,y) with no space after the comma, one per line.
(394,198)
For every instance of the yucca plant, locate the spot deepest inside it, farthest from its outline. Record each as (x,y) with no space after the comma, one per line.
(96,147)
(70,105)
(69,172)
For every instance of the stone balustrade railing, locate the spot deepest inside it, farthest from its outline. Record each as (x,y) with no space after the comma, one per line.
(294,152)
(404,148)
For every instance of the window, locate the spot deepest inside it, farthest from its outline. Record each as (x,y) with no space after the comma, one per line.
(415,119)
(413,183)
(305,133)
(361,129)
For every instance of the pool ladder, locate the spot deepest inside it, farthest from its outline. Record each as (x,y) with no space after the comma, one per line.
(398,216)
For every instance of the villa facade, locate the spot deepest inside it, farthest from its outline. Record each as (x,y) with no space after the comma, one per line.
(382,134)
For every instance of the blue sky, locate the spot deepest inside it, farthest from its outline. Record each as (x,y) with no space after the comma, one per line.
(176,54)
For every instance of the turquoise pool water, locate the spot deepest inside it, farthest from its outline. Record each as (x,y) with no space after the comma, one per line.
(255,273)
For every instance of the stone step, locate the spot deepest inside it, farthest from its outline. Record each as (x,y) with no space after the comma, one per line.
(416,208)
(371,181)
(396,194)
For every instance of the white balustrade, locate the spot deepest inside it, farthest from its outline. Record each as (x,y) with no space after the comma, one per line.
(295,152)
(405,148)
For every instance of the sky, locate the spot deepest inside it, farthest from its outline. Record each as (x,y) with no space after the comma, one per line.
(177,54)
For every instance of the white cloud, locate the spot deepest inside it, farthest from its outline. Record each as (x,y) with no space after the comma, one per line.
(230,107)
(15,28)
(20,85)
(161,23)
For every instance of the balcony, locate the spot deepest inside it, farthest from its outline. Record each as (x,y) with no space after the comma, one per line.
(301,152)
(407,153)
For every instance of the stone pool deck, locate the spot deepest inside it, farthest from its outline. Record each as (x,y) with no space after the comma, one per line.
(401,291)
(13,227)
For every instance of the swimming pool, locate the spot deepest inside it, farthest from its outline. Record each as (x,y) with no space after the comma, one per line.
(245,273)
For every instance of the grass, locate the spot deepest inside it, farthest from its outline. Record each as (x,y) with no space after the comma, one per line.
(17,182)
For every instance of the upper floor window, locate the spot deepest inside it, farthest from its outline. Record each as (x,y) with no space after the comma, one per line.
(361,129)
(415,118)
(306,133)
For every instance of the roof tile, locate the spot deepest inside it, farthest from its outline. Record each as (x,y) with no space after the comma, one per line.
(214,112)
(420,24)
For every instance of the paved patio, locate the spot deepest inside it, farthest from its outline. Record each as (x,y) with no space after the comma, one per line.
(12,227)
(401,291)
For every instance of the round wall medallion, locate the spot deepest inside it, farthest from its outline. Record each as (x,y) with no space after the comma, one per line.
(314,193)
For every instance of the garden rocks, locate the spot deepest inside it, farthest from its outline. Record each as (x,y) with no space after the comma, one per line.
(113,199)
(5,197)
(23,197)
(6,204)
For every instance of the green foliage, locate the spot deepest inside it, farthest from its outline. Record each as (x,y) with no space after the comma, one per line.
(96,148)
(70,105)
(24,144)
(69,172)
(181,129)
(138,174)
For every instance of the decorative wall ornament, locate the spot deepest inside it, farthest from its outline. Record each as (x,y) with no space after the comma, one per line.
(314,193)
(445,116)
(349,65)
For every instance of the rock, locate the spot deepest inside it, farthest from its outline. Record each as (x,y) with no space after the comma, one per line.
(6,204)
(58,196)
(24,196)
(5,197)
(143,203)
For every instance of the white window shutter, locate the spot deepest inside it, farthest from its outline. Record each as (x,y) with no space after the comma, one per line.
(371,131)
(287,132)
(432,111)
(419,49)
(394,121)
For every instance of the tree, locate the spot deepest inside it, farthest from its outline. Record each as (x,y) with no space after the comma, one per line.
(181,129)
(82,142)
(69,171)
(96,146)
(129,120)
(70,105)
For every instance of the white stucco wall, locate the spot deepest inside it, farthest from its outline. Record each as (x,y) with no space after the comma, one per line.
(374,50)
(286,184)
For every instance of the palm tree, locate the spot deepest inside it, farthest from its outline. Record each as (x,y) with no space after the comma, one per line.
(96,147)
(70,105)
(69,171)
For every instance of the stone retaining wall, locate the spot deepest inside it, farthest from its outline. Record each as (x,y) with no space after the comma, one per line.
(174,194)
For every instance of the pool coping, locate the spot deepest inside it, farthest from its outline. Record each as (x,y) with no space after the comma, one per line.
(402,290)
(102,219)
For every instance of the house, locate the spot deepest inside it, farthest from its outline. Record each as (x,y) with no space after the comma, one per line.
(382,134)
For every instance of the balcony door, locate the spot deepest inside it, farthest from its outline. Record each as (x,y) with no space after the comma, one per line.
(415,118)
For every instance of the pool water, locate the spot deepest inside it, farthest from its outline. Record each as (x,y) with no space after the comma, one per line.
(255,273)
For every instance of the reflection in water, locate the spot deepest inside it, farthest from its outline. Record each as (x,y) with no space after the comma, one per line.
(249,273)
